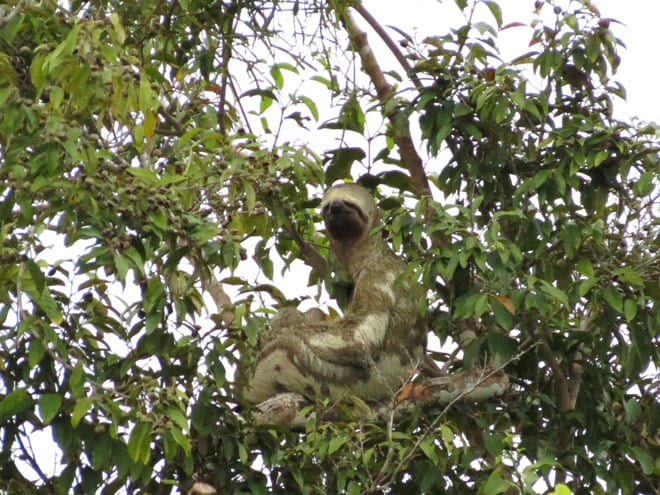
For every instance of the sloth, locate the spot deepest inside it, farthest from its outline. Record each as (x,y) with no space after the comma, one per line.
(369,352)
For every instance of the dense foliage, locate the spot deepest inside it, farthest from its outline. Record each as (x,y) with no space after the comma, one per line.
(156,178)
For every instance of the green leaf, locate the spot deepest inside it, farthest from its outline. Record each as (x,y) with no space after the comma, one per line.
(496,11)
(80,410)
(148,176)
(481,305)
(630,309)
(36,352)
(77,381)
(101,452)
(629,276)
(311,106)
(263,93)
(585,267)
(121,266)
(169,444)
(553,292)
(633,410)
(336,443)
(119,29)
(49,405)
(464,306)
(64,49)
(154,296)
(586,285)
(243,454)
(644,458)
(600,157)
(503,316)
(276,74)
(56,96)
(145,95)
(159,220)
(354,488)
(176,415)
(15,402)
(613,298)
(561,489)
(38,72)
(36,275)
(494,443)
(428,447)
(139,443)
(181,439)
(396,179)
(501,348)
(351,117)
(644,185)
(341,162)
(494,484)
(534,183)
(49,306)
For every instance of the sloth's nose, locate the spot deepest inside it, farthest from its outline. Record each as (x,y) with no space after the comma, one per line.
(336,206)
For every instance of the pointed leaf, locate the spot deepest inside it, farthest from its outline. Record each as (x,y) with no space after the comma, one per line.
(49,405)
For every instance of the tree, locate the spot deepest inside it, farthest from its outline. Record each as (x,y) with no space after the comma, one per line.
(148,168)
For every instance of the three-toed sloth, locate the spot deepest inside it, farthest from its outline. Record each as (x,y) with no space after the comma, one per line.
(370,351)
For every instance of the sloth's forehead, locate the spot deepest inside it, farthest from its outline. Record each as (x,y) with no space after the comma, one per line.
(349,194)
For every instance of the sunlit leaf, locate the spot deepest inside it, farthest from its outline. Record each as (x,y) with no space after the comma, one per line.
(139,443)
(80,410)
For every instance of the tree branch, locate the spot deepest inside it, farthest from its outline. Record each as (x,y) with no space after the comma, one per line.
(169,118)
(366,15)
(7,15)
(410,159)
(565,402)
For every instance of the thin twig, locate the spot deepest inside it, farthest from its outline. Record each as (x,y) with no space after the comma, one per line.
(442,414)
(171,120)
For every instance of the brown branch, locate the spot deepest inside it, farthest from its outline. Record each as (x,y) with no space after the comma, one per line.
(366,15)
(169,118)
(569,381)
(410,159)
(565,402)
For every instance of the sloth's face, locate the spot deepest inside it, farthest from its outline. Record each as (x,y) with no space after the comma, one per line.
(344,219)
(348,211)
